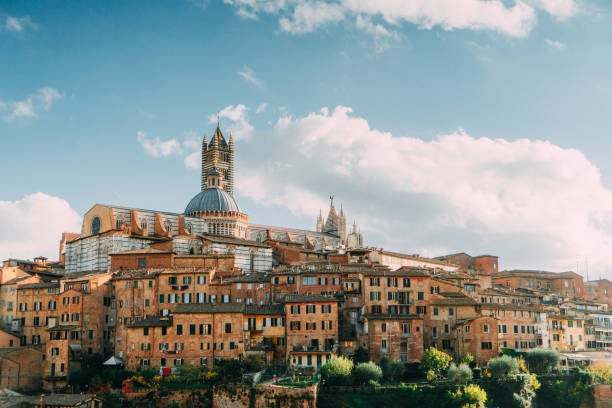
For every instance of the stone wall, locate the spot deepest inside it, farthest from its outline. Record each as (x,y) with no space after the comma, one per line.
(603,396)
(264,396)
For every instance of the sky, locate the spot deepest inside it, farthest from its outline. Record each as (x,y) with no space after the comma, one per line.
(442,126)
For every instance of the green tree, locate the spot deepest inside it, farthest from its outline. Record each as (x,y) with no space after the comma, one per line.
(435,360)
(361,355)
(366,372)
(466,358)
(542,361)
(337,370)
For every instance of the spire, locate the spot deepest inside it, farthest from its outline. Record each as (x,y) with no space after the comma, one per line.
(231,139)
(341,211)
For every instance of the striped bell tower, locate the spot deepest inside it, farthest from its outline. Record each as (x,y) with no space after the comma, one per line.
(221,152)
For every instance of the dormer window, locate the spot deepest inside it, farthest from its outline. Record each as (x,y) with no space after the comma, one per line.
(95,226)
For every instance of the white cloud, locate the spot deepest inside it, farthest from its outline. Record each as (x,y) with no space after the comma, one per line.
(158,148)
(19,24)
(557,45)
(248,75)
(560,9)
(510,18)
(533,203)
(259,109)
(239,125)
(310,15)
(43,99)
(33,226)
(383,38)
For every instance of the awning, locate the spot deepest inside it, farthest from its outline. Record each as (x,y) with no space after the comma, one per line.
(76,348)
(113,361)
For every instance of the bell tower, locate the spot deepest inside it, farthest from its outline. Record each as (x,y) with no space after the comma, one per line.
(220,154)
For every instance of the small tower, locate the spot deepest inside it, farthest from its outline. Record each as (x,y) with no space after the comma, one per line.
(320,222)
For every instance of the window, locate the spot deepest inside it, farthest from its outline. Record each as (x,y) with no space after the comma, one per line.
(309,280)
(374,281)
(161,298)
(383,327)
(135,284)
(145,331)
(291,279)
(186,280)
(392,282)
(406,282)
(485,328)
(446,328)
(172,280)
(142,262)
(322,281)
(421,309)
(486,345)
(295,309)
(384,345)
(201,280)
(406,329)
(435,311)
(374,296)
(420,295)
(294,325)
(228,327)
(325,308)
(310,308)
(451,311)
(179,329)
(95,226)
(434,332)
(468,329)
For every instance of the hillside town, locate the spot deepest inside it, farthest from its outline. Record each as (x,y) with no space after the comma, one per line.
(149,289)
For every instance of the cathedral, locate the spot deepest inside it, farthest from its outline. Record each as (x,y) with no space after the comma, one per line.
(212,224)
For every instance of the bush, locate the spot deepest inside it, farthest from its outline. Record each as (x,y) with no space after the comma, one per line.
(435,360)
(542,361)
(503,367)
(392,370)
(366,372)
(467,358)
(470,396)
(477,373)
(337,371)
(461,374)
(514,391)
(361,355)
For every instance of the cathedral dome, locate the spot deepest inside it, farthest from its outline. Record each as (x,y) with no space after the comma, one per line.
(212,199)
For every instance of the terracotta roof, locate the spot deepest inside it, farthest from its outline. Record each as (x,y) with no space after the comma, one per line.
(15,280)
(250,277)
(510,306)
(276,309)
(415,258)
(233,241)
(209,308)
(454,300)
(142,251)
(40,285)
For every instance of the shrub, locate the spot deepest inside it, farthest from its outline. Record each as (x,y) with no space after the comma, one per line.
(461,374)
(431,375)
(366,372)
(477,373)
(361,355)
(466,358)
(602,372)
(392,370)
(254,362)
(503,367)
(513,391)
(542,361)
(470,396)
(337,370)
(435,360)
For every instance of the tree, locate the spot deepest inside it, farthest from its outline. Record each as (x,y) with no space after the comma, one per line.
(461,374)
(361,355)
(602,372)
(542,361)
(503,367)
(337,370)
(254,362)
(367,372)
(435,360)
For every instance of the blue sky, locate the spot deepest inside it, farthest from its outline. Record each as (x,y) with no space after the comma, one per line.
(80,80)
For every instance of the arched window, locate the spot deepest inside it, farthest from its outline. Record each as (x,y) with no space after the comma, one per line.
(189,227)
(95,226)
(143,224)
(168,226)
